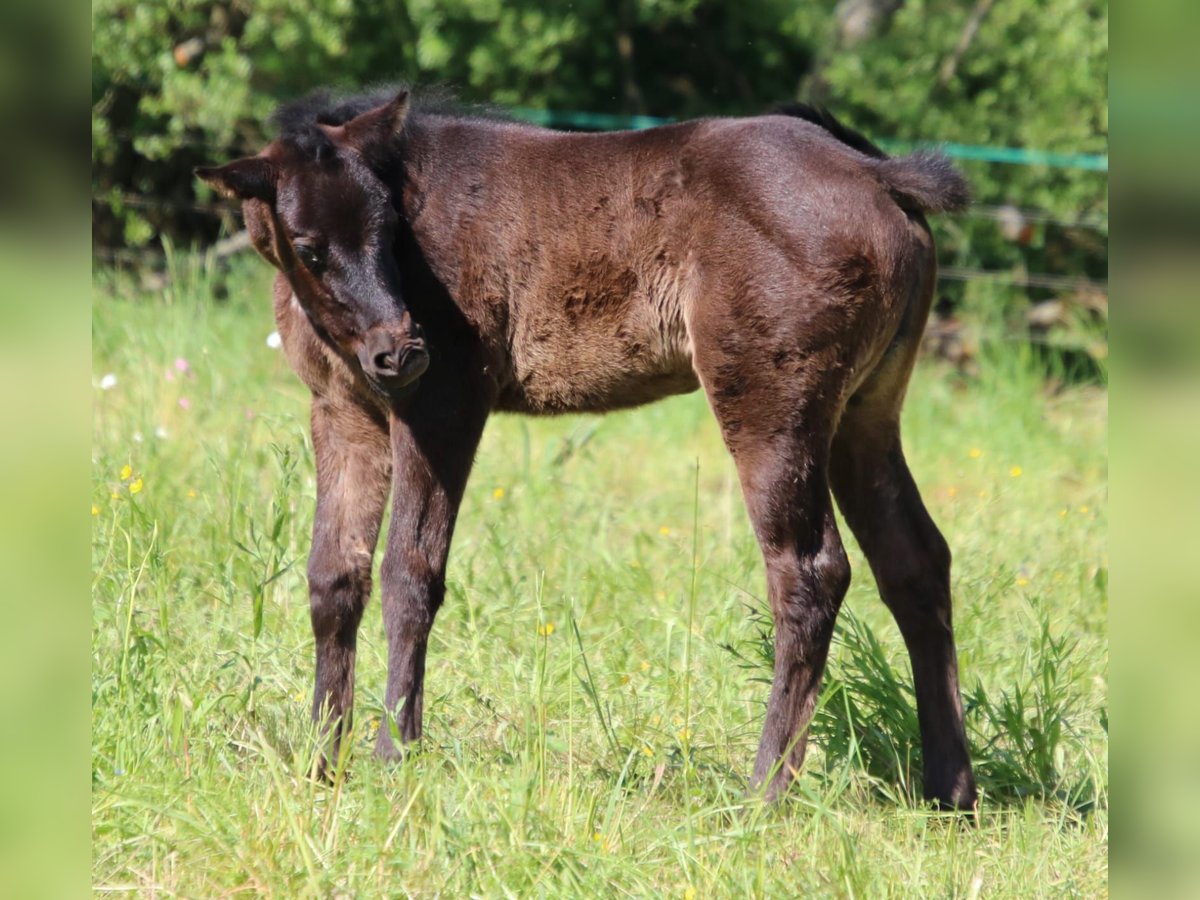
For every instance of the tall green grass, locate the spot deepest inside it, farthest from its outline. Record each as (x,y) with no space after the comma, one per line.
(596,679)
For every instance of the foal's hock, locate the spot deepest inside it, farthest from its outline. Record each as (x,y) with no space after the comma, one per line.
(436,266)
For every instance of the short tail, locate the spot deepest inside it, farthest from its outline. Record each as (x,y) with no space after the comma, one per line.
(925,180)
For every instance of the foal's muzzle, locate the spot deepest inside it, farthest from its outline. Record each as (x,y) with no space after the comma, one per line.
(393,357)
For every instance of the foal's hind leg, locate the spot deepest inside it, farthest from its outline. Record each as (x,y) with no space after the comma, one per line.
(778,426)
(353,467)
(911,563)
(807,577)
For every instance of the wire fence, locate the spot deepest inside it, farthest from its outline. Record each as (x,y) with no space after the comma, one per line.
(1022,156)
(590,121)
(1004,215)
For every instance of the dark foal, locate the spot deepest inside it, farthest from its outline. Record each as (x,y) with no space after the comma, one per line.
(781,262)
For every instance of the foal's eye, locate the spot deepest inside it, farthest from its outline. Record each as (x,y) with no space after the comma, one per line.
(310,257)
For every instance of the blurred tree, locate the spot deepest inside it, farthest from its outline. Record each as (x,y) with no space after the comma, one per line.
(1023,73)
(180,82)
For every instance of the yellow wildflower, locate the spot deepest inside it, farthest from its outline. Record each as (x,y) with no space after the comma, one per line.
(952,491)
(498,494)
(684,734)
(974,453)
(115,496)
(191,493)
(95,510)
(1084,510)
(546,629)
(126,472)
(1022,581)
(664,530)
(690,893)
(135,486)
(1062,513)
(645,666)
(1015,471)
(647,750)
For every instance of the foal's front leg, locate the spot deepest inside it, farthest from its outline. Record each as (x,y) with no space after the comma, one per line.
(433,444)
(353,468)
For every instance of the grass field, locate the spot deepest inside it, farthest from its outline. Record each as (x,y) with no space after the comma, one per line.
(590,720)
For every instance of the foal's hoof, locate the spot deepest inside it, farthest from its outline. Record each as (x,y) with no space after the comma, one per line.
(389,751)
(322,772)
(956,796)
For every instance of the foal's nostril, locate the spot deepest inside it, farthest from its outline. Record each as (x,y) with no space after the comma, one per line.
(390,358)
(387,363)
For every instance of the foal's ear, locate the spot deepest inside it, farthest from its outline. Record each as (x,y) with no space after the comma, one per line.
(378,126)
(252,178)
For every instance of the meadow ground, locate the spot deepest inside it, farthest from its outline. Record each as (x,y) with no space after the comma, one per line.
(590,718)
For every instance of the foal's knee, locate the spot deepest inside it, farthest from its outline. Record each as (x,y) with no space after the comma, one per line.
(338,590)
(413,590)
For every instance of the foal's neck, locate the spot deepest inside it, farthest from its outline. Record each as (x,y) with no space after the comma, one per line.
(448,171)
(445,160)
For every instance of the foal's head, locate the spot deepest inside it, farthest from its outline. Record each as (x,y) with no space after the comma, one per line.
(316,209)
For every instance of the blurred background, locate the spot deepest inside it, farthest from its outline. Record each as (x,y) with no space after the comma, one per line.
(1016,91)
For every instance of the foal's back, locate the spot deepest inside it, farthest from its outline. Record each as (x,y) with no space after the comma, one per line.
(607,251)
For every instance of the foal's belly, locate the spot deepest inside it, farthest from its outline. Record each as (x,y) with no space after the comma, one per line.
(557,387)
(597,352)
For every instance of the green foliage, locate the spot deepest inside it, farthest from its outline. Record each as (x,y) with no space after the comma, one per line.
(180,83)
(1034,75)
(175,84)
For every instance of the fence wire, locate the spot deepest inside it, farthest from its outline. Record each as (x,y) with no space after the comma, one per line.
(1002,214)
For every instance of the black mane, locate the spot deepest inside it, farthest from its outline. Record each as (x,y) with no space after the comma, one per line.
(296,120)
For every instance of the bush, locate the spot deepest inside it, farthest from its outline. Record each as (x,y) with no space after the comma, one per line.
(176,84)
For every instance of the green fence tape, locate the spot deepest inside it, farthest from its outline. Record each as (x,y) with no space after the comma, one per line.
(587,120)
(1096,162)
(1021,156)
